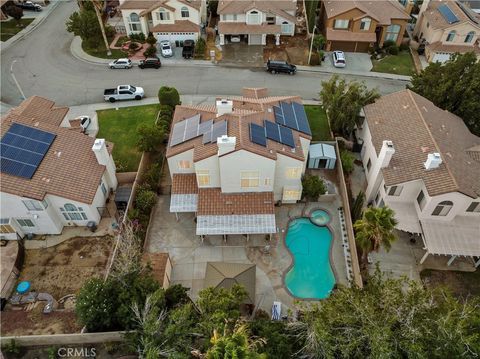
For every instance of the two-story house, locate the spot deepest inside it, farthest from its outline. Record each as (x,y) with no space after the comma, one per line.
(424,163)
(172,20)
(447,27)
(253,21)
(51,176)
(356,26)
(232,161)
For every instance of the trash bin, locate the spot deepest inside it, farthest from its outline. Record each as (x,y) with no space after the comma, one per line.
(92,226)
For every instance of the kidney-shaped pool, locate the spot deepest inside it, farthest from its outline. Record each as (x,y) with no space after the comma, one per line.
(311,275)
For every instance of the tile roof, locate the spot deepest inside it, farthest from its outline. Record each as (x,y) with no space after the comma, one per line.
(234,28)
(278,7)
(69,169)
(438,46)
(212,202)
(345,35)
(184,183)
(155,4)
(177,26)
(425,129)
(383,11)
(246,110)
(437,21)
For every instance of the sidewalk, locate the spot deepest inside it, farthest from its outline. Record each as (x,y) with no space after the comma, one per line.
(39,18)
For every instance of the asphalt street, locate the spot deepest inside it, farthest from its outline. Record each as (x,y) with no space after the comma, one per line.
(44,66)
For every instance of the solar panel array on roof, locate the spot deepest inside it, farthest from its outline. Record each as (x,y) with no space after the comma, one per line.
(292,115)
(191,127)
(279,133)
(23,149)
(257,135)
(448,14)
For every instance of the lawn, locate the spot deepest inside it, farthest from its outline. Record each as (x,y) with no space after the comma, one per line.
(462,284)
(401,64)
(101,52)
(120,127)
(318,123)
(9,28)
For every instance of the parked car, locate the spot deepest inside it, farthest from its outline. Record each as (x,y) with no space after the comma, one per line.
(28,5)
(121,64)
(166,48)
(188,49)
(85,121)
(123,92)
(234,39)
(150,62)
(339,59)
(274,66)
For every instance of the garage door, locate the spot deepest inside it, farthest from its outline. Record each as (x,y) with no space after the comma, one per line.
(177,37)
(350,46)
(255,39)
(441,57)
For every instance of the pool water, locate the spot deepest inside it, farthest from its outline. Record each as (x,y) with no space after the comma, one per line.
(311,275)
(320,217)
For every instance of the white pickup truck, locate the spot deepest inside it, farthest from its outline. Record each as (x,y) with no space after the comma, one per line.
(124,92)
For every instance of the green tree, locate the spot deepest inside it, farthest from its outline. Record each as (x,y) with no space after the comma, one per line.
(176,295)
(343,102)
(375,229)
(169,96)
(149,137)
(348,160)
(84,23)
(200,47)
(16,12)
(279,342)
(318,42)
(181,329)
(389,318)
(357,206)
(313,186)
(453,86)
(151,40)
(145,200)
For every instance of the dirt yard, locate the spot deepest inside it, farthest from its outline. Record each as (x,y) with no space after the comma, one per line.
(59,271)
(292,49)
(462,284)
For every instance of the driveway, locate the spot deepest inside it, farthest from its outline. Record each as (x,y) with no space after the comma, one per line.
(242,54)
(355,62)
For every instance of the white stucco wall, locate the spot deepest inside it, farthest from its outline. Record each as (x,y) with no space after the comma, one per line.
(174,160)
(283,164)
(212,165)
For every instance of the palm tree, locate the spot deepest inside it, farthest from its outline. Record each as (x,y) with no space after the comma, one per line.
(375,229)
(98,5)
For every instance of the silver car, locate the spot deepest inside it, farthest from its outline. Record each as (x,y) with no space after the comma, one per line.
(121,64)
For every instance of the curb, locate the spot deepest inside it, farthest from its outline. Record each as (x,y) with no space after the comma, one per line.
(6,45)
(363,74)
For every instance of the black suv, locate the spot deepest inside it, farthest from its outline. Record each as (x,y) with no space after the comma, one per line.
(280,66)
(150,62)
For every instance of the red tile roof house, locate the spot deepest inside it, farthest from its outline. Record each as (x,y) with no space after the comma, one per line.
(424,163)
(172,20)
(253,21)
(51,176)
(230,162)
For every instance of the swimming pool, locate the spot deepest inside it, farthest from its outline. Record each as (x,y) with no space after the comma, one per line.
(311,275)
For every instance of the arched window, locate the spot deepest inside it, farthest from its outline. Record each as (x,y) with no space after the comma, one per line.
(392,32)
(184,11)
(134,17)
(73,213)
(134,23)
(470,36)
(451,35)
(286,27)
(442,208)
(254,17)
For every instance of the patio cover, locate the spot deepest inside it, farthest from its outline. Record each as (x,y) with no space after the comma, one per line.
(236,224)
(226,275)
(184,197)
(459,237)
(406,215)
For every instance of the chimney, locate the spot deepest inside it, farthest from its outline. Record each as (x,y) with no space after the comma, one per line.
(224,106)
(104,158)
(226,144)
(434,160)
(386,153)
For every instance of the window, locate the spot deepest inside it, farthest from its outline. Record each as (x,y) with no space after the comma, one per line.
(395,190)
(451,35)
(184,11)
(104,189)
(33,205)
(249,179)
(291,194)
(294,172)
(270,20)
(25,223)
(184,164)
(442,208)
(340,24)
(469,36)
(267,182)
(203,177)
(134,17)
(5,226)
(382,203)
(71,212)
(163,15)
(365,24)
(224,17)
(474,207)
(286,28)
(392,32)
(254,18)
(134,22)
(369,165)
(421,200)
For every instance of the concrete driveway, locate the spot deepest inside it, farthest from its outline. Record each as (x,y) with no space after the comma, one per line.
(242,54)
(355,62)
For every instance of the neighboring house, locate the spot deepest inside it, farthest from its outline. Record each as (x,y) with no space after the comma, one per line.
(253,21)
(230,162)
(356,26)
(423,162)
(172,20)
(51,176)
(447,27)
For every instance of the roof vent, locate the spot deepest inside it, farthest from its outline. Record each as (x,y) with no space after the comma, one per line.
(434,160)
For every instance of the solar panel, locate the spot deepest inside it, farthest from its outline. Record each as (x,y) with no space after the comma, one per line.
(257,135)
(286,136)
(178,133)
(302,119)
(207,137)
(289,115)
(272,130)
(191,129)
(22,149)
(205,127)
(218,130)
(448,14)
(278,115)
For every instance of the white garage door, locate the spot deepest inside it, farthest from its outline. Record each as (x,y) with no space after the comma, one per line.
(255,39)
(176,37)
(441,57)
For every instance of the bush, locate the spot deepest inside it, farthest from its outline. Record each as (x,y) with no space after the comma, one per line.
(166,110)
(176,295)
(169,96)
(313,186)
(145,200)
(152,176)
(392,50)
(200,46)
(164,125)
(149,137)
(15,11)
(151,40)
(347,159)
(357,206)
(151,51)
(315,59)
(133,46)
(404,47)
(389,43)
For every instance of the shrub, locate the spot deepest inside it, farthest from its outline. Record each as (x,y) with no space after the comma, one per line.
(357,206)
(151,40)
(313,186)
(149,137)
(404,47)
(392,50)
(164,125)
(133,46)
(347,159)
(315,59)
(169,96)
(145,200)
(166,110)
(389,43)
(200,47)
(141,37)
(176,295)
(151,51)
(15,11)
(151,177)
